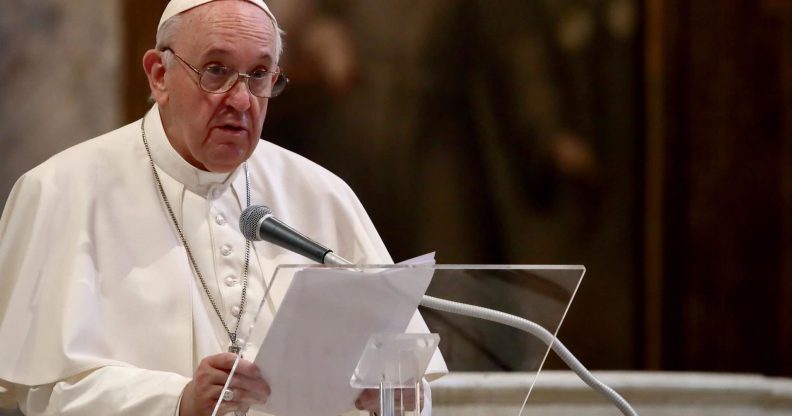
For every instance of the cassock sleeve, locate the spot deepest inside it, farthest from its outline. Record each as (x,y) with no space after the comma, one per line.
(103,390)
(106,391)
(67,345)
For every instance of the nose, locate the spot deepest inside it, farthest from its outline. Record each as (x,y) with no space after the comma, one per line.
(239,96)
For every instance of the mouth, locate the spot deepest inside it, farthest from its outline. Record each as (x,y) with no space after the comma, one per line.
(232,128)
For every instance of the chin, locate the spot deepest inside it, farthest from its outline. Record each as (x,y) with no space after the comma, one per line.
(224,166)
(227,159)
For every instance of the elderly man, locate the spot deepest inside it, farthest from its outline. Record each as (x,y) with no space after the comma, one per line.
(123,279)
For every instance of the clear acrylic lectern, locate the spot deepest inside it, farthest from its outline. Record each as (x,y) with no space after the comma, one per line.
(323,334)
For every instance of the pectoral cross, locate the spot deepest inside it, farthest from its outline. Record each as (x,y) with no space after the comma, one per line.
(235,346)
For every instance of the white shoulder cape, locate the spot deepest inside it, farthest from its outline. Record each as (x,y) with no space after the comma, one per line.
(92,274)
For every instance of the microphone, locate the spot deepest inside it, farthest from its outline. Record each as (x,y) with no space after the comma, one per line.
(257,223)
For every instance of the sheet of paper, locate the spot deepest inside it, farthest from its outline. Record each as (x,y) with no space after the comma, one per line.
(321,328)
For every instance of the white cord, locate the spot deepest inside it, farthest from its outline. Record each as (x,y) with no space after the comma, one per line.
(539,332)
(225,387)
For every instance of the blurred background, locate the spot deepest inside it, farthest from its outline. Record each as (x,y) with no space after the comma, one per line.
(649,140)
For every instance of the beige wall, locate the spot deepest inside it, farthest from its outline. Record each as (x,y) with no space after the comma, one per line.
(60,62)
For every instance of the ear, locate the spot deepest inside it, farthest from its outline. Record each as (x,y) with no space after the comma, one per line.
(154,67)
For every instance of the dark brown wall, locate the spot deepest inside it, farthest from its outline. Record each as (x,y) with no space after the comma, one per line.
(140,26)
(723,128)
(785,290)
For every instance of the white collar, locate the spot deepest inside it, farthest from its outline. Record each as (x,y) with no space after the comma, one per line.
(168,159)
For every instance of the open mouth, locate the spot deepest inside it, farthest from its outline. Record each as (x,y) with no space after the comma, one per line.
(232,129)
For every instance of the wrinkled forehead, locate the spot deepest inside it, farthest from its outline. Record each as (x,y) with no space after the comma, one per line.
(176,7)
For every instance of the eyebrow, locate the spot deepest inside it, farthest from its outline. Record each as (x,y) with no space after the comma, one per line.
(225,52)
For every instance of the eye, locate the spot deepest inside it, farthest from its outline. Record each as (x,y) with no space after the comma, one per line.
(217,70)
(260,74)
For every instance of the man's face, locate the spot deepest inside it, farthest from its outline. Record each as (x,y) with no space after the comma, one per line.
(217,132)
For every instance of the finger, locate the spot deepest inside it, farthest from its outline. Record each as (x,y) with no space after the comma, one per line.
(206,376)
(248,369)
(222,361)
(230,408)
(406,398)
(209,394)
(368,400)
(229,396)
(254,390)
(239,397)
(249,383)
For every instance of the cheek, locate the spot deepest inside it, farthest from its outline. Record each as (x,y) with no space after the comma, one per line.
(200,111)
(261,116)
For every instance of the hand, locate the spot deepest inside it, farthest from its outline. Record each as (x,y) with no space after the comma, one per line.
(369,400)
(201,394)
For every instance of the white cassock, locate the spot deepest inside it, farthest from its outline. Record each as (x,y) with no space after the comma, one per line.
(100,311)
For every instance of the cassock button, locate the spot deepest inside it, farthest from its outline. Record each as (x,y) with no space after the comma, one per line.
(235,310)
(220,220)
(231,281)
(226,250)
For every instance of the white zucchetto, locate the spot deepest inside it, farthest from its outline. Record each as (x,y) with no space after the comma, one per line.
(175,7)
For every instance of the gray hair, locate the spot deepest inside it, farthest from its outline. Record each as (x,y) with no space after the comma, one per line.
(165,36)
(171,27)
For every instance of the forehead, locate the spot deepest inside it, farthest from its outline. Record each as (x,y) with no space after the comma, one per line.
(228,27)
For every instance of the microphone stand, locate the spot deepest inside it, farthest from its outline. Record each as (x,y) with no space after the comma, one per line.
(522,324)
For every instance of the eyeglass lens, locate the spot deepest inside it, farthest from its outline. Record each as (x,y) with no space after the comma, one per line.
(218,79)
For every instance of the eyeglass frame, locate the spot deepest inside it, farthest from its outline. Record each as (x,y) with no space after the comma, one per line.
(281,77)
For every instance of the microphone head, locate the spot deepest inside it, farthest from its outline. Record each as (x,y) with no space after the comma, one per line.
(250,219)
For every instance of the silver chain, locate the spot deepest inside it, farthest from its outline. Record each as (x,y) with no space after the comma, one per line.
(235,348)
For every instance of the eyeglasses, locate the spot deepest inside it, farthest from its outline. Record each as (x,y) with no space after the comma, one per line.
(218,79)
